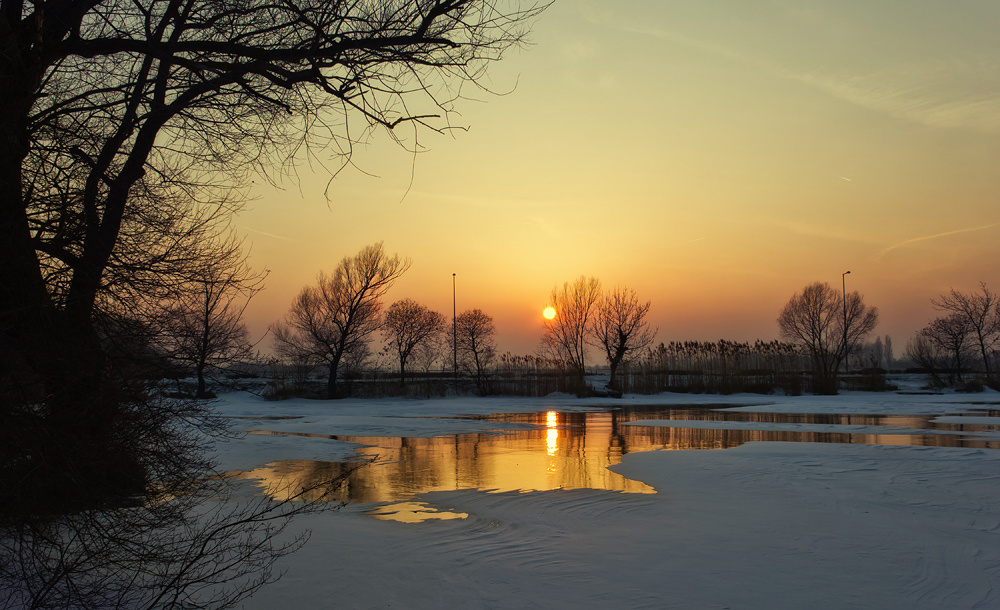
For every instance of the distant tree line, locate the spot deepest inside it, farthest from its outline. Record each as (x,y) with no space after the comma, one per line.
(825,344)
(722,367)
(336,320)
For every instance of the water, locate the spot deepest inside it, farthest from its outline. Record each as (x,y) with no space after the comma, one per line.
(574,450)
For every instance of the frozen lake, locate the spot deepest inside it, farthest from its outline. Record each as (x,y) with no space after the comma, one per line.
(858,500)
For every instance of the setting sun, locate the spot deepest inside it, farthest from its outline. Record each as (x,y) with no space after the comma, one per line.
(549,313)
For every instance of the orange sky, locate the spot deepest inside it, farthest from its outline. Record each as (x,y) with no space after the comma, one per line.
(714,156)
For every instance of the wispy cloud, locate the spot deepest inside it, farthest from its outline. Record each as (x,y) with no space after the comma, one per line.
(265,233)
(915,94)
(961,93)
(691,241)
(934,236)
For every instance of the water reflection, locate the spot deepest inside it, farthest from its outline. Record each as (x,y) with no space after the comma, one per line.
(574,451)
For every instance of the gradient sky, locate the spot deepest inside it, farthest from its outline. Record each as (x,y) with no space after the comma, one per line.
(715,156)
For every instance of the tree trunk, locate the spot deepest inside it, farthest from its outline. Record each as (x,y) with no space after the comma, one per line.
(612,381)
(332,389)
(202,389)
(986,360)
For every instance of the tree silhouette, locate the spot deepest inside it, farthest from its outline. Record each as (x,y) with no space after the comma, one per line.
(815,320)
(340,313)
(119,121)
(203,327)
(475,341)
(620,328)
(408,325)
(112,111)
(945,346)
(565,336)
(980,312)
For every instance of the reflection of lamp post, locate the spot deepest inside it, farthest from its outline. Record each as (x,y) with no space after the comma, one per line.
(454,330)
(843,285)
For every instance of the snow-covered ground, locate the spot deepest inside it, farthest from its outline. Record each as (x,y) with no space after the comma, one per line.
(759,525)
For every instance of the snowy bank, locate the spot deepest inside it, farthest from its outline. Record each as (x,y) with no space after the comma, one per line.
(759,525)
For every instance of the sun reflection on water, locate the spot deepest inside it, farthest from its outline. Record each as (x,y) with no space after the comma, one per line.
(570,450)
(552,432)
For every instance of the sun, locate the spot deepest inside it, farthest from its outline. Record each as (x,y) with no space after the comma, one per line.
(549,313)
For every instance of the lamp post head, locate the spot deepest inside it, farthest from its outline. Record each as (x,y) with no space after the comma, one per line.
(845,273)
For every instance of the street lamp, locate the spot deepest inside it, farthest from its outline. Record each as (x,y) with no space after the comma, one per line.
(843,284)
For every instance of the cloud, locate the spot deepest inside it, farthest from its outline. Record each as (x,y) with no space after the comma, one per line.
(265,233)
(934,236)
(930,95)
(953,93)
(691,241)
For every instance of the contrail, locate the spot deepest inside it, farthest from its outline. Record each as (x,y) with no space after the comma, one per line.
(263,232)
(935,236)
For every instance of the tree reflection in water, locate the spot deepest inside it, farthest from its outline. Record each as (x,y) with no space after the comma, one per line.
(574,450)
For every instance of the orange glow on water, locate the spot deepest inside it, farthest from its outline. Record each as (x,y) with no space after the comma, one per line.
(552,432)
(566,451)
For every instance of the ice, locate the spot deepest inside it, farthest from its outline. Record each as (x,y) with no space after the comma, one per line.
(762,525)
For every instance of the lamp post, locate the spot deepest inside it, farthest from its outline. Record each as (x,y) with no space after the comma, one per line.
(454,332)
(843,285)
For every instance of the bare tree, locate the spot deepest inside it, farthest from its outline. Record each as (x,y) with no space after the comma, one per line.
(409,324)
(814,319)
(565,336)
(981,313)
(946,348)
(111,106)
(203,327)
(620,328)
(927,355)
(429,355)
(340,313)
(475,340)
(121,94)
(116,113)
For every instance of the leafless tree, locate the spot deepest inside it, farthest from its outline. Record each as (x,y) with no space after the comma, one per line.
(114,115)
(929,356)
(116,95)
(620,328)
(203,327)
(981,313)
(815,320)
(945,347)
(408,325)
(475,341)
(339,314)
(429,355)
(109,106)
(565,336)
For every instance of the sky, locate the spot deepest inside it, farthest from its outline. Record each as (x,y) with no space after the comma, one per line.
(714,156)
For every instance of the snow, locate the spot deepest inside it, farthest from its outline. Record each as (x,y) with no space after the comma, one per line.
(761,525)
